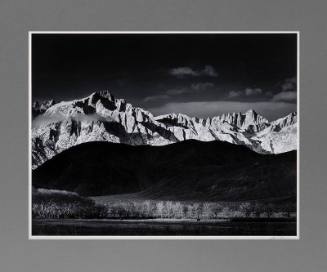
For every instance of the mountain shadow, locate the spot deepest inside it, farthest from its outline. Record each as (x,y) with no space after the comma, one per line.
(189,170)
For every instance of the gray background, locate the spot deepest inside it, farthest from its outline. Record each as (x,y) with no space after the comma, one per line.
(17,253)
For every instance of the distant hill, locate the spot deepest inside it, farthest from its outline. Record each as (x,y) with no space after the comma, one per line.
(188,170)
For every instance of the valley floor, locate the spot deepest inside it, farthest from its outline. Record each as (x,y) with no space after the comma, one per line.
(63,213)
(164,227)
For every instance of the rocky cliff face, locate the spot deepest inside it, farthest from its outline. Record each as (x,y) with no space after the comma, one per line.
(102,117)
(40,107)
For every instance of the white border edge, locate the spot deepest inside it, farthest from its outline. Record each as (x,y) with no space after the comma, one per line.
(30,236)
(298,138)
(39,237)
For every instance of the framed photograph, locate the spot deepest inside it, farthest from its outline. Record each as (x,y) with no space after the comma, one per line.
(164,135)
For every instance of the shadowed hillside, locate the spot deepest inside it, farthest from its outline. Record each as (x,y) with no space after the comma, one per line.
(189,170)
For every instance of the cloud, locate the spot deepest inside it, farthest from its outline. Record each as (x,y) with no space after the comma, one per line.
(246,92)
(233,94)
(193,88)
(44,119)
(271,110)
(289,84)
(183,71)
(288,91)
(173,92)
(208,70)
(202,86)
(285,96)
(156,97)
(252,91)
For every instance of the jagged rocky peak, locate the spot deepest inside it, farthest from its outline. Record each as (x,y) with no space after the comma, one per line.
(286,121)
(249,121)
(105,97)
(97,95)
(101,103)
(108,101)
(253,116)
(39,107)
(43,105)
(290,118)
(98,101)
(173,119)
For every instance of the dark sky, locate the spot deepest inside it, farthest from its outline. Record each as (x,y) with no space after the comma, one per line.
(196,74)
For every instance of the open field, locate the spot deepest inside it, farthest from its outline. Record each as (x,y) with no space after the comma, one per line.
(163,227)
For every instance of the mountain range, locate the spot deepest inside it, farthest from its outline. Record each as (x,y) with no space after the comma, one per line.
(101,117)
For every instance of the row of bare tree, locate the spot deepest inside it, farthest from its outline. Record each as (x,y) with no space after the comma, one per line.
(184,210)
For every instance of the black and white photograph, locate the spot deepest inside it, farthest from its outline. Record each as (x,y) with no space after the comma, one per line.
(179,135)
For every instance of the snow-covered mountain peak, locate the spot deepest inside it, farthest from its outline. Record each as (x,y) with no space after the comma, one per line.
(173,119)
(254,120)
(249,122)
(40,107)
(251,112)
(103,94)
(102,117)
(254,116)
(173,116)
(286,121)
